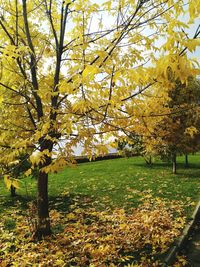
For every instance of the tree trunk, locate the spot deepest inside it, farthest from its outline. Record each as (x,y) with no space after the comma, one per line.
(148,160)
(186,161)
(174,165)
(13,191)
(43,222)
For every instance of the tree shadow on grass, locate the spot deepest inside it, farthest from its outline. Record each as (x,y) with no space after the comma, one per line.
(70,202)
(188,174)
(19,202)
(168,165)
(60,203)
(155,165)
(63,203)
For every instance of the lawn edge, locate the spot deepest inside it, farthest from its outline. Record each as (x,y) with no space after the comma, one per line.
(181,241)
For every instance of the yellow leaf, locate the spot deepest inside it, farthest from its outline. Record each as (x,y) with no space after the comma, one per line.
(15,183)
(28,172)
(90,71)
(192,131)
(7,182)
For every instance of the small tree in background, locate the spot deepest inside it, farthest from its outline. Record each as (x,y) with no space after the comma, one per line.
(178,132)
(168,124)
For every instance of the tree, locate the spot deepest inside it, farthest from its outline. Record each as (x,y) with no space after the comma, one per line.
(178,130)
(181,127)
(133,144)
(168,122)
(59,57)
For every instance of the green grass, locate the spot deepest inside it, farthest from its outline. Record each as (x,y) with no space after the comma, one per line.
(115,183)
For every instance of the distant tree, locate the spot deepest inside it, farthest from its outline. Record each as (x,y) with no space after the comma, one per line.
(134,144)
(168,125)
(179,130)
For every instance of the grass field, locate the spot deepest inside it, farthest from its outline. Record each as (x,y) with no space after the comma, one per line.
(88,222)
(116,183)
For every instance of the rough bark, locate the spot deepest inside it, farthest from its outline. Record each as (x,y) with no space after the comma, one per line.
(43,222)
(43,219)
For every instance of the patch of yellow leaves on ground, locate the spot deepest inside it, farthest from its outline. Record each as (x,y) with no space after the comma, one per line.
(87,237)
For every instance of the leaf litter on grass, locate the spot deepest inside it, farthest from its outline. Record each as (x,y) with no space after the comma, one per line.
(90,237)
